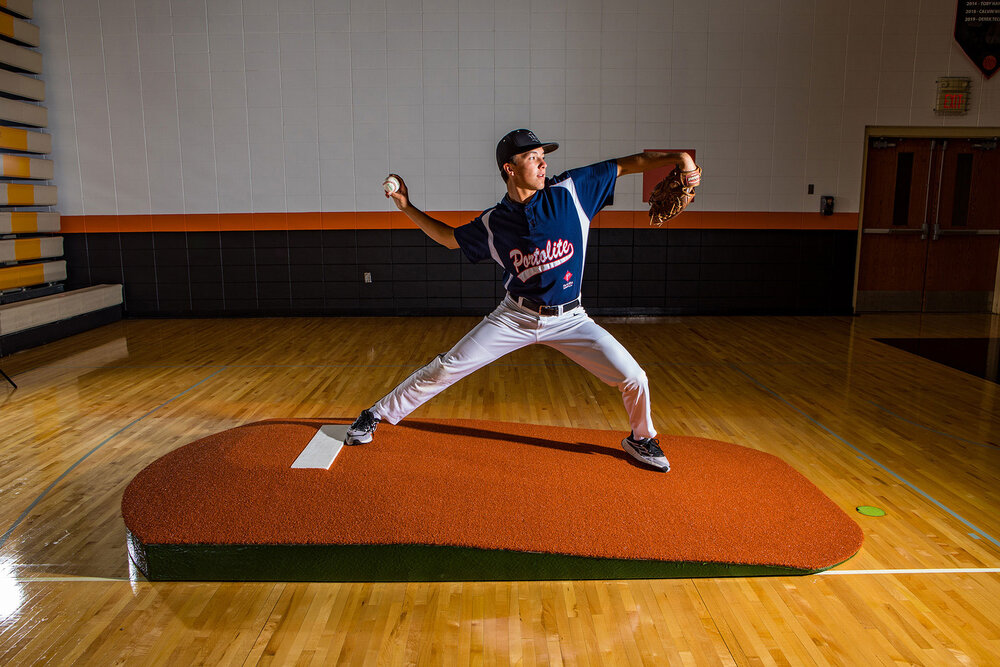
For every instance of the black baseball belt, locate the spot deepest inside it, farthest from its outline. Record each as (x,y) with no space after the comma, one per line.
(542,309)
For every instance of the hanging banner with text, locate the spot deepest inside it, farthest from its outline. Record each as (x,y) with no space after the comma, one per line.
(977,31)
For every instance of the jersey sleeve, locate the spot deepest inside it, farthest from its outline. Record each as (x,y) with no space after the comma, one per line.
(472,239)
(595,185)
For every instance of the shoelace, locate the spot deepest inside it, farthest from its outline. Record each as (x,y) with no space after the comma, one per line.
(649,447)
(366,422)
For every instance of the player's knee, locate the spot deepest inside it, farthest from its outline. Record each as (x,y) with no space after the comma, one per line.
(442,370)
(634,380)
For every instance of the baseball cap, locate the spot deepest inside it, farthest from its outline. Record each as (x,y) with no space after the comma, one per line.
(519,141)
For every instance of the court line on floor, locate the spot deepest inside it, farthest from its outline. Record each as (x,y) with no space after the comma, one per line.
(25,513)
(932,430)
(63,580)
(869,458)
(943,570)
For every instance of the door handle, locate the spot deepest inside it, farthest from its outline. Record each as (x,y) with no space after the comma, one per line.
(896,232)
(969,232)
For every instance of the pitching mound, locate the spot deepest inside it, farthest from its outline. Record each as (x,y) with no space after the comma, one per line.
(474,500)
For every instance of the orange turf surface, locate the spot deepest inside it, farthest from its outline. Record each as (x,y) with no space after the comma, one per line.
(491,485)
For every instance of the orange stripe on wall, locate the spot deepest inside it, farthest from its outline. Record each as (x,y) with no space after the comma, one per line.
(345,220)
(732,220)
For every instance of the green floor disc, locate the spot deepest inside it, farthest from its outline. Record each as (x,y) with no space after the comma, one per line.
(868,510)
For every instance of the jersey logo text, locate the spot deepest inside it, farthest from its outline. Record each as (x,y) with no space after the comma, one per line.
(541,260)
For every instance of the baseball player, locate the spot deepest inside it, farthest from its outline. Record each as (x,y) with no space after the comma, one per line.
(538,234)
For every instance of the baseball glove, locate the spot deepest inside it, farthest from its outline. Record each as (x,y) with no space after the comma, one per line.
(672,195)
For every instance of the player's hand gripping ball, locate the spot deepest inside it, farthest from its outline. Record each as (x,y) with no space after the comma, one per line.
(390,185)
(672,195)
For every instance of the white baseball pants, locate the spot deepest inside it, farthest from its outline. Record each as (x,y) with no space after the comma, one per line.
(511,327)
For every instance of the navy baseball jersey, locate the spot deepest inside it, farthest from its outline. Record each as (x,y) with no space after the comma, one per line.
(542,245)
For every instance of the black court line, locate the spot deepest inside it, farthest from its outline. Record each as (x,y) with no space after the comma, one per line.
(932,430)
(25,513)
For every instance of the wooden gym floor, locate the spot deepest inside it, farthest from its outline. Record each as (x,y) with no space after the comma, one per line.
(868,423)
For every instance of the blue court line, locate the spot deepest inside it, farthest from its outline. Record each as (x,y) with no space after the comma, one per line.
(25,513)
(866,456)
(932,430)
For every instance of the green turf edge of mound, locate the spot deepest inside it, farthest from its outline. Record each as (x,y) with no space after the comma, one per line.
(339,562)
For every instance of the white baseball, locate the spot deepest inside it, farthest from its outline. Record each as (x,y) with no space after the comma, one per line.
(391,185)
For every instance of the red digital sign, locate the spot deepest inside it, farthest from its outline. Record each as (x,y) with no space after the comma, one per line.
(952,95)
(954,101)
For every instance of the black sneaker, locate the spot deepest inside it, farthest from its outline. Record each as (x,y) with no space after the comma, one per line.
(363,428)
(646,450)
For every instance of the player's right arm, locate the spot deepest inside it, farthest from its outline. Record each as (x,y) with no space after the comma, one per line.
(641,162)
(433,227)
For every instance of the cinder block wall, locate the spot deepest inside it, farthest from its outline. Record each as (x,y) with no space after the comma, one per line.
(180,123)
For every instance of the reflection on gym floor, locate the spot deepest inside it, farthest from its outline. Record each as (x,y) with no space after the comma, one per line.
(976,356)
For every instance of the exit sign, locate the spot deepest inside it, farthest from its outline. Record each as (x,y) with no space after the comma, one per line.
(952,96)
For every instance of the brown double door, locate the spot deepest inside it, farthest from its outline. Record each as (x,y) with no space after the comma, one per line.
(931,235)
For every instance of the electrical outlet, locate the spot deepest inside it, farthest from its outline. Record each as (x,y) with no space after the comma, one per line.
(368,277)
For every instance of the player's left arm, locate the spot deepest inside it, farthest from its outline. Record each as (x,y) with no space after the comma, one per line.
(640,162)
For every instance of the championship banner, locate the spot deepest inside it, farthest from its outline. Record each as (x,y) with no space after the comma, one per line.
(977,31)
